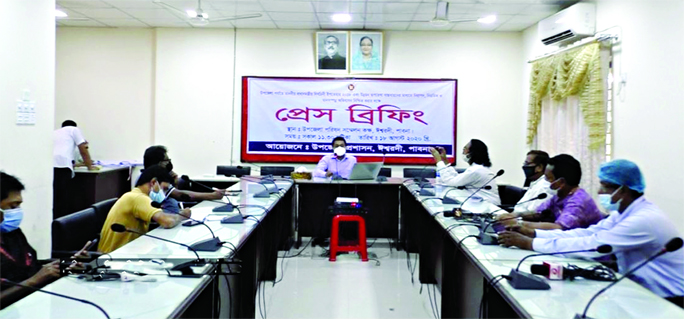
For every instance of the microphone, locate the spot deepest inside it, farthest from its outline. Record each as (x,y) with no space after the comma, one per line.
(227,208)
(380,178)
(210,244)
(488,239)
(521,280)
(118,228)
(58,295)
(672,245)
(452,201)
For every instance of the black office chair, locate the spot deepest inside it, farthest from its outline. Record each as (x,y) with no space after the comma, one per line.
(510,195)
(102,209)
(420,172)
(71,232)
(237,171)
(385,171)
(277,170)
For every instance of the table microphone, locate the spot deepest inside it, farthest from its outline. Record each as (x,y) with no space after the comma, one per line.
(118,228)
(266,193)
(227,208)
(448,200)
(488,239)
(209,244)
(672,245)
(520,280)
(56,294)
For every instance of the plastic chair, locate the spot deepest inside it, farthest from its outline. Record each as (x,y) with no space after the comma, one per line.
(335,240)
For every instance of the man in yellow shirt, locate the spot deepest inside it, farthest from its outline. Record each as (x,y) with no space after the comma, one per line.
(134,209)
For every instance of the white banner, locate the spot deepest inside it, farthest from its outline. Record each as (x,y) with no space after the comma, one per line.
(401,118)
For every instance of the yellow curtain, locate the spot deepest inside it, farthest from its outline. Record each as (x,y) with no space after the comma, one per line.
(575,72)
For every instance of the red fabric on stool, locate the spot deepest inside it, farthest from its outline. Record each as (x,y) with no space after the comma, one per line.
(334,237)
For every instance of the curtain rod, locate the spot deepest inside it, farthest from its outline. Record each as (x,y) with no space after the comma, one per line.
(590,40)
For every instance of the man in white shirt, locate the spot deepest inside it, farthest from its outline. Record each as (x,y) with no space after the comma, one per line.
(534,168)
(478,175)
(636,229)
(66,140)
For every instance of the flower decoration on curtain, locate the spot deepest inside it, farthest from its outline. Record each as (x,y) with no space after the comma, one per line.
(576,72)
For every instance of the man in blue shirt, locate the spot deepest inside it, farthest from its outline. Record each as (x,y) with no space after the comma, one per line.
(336,165)
(636,229)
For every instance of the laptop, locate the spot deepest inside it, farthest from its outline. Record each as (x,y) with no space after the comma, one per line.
(365,171)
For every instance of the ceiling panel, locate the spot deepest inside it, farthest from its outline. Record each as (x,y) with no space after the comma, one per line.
(89,23)
(423,26)
(124,23)
(293,17)
(297,25)
(150,13)
(297,14)
(83,4)
(109,13)
(254,24)
(167,23)
(288,6)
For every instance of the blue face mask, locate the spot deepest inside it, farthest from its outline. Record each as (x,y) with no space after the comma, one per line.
(157,196)
(605,201)
(13,218)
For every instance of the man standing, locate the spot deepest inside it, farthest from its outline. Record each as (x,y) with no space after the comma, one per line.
(333,60)
(66,140)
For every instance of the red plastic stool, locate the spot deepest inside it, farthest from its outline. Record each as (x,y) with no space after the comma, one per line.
(334,237)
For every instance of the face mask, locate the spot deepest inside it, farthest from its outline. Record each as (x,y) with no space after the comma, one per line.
(12,220)
(157,196)
(466,158)
(551,191)
(605,201)
(340,151)
(169,167)
(529,170)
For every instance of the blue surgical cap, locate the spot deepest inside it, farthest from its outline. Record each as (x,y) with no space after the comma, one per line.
(624,173)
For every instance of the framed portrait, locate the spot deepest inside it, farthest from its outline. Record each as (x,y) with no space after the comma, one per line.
(332,52)
(366,52)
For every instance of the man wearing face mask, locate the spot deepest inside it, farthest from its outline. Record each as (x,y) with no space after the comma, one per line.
(534,168)
(636,229)
(569,207)
(134,209)
(476,154)
(18,260)
(158,155)
(336,165)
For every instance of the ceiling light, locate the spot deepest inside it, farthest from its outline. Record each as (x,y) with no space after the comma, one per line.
(341,17)
(487,19)
(60,14)
(191,13)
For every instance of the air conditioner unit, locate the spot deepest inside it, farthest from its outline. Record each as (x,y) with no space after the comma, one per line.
(574,23)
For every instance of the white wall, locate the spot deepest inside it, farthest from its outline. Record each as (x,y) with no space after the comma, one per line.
(105,82)
(197,71)
(27,61)
(649,112)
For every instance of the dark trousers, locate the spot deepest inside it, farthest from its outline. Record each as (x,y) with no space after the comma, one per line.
(62,192)
(679,301)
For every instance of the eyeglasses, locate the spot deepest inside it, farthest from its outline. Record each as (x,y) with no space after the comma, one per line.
(330,42)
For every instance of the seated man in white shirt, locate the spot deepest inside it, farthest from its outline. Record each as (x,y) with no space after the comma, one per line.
(478,175)
(534,168)
(636,229)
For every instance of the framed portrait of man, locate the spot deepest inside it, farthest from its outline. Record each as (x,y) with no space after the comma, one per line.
(332,52)
(366,52)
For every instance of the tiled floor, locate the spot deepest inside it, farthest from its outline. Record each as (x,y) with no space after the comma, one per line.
(313,287)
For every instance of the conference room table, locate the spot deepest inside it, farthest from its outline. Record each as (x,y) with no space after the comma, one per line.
(462,268)
(227,286)
(224,288)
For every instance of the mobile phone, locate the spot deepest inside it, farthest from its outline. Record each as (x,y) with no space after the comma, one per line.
(234,191)
(191,223)
(498,227)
